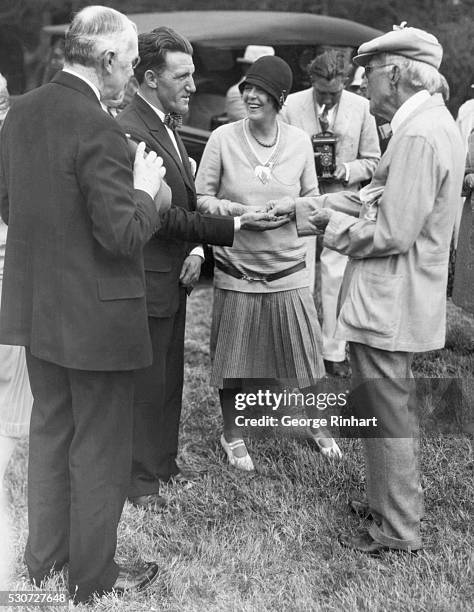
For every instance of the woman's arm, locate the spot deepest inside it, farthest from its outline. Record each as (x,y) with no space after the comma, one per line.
(309,180)
(208,181)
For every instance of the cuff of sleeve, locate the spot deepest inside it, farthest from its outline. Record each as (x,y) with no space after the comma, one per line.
(199,251)
(237,224)
(338,222)
(348,172)
(305,207)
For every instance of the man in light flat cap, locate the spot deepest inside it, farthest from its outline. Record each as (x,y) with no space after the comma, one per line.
(397,232)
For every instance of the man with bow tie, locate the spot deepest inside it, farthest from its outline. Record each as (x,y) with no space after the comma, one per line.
(172,259)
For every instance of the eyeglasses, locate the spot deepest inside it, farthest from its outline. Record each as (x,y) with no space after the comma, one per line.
(134,63)
(369,69)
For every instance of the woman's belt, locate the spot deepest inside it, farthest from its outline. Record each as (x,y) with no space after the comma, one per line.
(232,271)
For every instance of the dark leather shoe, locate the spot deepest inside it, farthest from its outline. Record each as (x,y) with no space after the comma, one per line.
(360,509)
(339,369)
(135,580)
(364,543)
(154,502)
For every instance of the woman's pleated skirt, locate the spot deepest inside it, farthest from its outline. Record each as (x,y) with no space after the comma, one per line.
(15,394)
(266,335)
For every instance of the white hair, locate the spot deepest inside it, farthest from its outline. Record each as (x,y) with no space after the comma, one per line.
(93,30)
(443,88)
(416,74)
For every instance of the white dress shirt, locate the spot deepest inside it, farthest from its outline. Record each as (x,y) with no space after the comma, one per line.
(408,107)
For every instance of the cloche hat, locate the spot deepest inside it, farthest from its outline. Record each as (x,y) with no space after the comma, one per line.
(273,75)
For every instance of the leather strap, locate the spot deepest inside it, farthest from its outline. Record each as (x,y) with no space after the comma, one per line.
(232,271)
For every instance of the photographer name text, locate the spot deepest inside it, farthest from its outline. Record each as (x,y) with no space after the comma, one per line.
(288,421)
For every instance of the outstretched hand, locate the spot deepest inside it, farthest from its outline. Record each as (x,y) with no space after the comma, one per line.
(190,270)
(319,220)
(340,173)
(283,206)
(261,221)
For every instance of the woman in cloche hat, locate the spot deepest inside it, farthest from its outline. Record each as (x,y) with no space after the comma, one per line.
(264,323)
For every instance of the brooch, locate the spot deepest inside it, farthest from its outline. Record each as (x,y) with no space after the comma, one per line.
(263,173)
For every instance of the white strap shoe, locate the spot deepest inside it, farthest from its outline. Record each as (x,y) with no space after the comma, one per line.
(330,450)
(241,463)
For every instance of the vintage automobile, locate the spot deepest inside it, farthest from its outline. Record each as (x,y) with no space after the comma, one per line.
(219,37)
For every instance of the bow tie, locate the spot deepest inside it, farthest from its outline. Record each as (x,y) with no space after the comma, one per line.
(173,120)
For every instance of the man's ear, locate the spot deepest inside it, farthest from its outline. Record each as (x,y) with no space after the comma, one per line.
(395,75)
(149,78)
(107,61)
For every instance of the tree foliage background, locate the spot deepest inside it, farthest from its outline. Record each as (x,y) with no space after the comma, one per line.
(451,21)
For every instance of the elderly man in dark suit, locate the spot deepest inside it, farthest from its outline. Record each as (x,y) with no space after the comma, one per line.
(172,263)
(74,296)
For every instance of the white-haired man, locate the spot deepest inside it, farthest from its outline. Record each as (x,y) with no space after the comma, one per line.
(393,300)
(74,296)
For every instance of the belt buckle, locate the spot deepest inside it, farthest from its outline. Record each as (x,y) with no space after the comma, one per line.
(246,277)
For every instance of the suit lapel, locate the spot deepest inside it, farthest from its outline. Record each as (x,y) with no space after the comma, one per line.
(185,160)
(310,122)
(158,131)
(342,124)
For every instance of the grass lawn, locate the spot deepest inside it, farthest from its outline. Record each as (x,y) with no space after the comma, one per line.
(267,541)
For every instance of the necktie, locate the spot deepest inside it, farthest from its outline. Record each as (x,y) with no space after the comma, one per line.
(323,119)
(173,120)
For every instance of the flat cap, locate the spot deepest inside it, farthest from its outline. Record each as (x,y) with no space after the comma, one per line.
(409,42)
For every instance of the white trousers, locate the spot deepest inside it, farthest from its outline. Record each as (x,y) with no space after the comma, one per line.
(333,265)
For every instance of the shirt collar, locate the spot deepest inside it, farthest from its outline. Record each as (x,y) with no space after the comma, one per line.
(86,80)
(408,107)
(159,112)
(330,110)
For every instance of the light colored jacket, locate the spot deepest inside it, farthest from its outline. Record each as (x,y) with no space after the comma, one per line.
(234,105)
(355,129)
(465,121)
(394,291)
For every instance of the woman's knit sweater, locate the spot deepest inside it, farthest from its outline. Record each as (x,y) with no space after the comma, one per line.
(226,180)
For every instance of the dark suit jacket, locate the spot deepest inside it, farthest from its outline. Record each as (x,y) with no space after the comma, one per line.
(165,252)
(73,288)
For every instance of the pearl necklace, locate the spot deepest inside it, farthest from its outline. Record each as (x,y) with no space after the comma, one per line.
(263,144)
